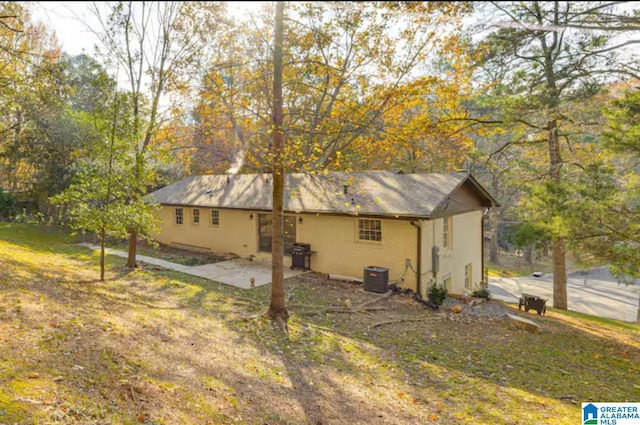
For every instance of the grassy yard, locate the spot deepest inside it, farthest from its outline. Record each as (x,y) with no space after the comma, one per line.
(158,347)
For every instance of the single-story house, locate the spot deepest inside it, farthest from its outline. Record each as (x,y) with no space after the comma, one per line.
(422,228)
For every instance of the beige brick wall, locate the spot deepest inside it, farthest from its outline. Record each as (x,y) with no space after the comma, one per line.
(336,247)
(333,240)
(236,232)
(339,252)
(466,249)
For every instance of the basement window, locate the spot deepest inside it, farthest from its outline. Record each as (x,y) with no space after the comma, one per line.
(369,230)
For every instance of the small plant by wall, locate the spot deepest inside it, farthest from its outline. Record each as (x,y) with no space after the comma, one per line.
(437,294)
(482,293)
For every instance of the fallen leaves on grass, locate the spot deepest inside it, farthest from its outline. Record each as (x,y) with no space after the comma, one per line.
(192,352)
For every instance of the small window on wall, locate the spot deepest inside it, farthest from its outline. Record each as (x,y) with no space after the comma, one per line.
(369,230)
(447,232)
(468,276)
(215,217)
(196,216)
(447,283)
(179,216)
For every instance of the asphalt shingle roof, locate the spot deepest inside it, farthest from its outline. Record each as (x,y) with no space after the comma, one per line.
(368,193)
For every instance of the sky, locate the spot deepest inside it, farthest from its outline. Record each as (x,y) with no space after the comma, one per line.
(66,19)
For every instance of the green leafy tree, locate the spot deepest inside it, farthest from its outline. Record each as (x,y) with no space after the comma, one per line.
(27,55)
(619,241)
(528,236)
(157,46)
(50,117)
(99,197)
(553,64)
(622,134)
(61,129)
(7,204)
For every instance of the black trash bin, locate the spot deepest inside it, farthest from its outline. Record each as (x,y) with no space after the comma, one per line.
(301,256)
(376,279)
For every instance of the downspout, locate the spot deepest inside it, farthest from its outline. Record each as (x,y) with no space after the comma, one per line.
(486,284)
(417,225)
(433,243)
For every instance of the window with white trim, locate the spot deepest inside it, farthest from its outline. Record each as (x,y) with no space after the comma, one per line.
(215,218)
(179,213)
(369,230)
(447,232)
(468,276)
(195,218)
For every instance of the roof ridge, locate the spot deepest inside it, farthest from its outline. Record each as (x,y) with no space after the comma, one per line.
(372,192)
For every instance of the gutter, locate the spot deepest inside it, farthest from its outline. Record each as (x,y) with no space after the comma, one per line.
(486,211)
(417,225)
(381,216)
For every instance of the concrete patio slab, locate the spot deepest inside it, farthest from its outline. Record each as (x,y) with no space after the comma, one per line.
(238,272)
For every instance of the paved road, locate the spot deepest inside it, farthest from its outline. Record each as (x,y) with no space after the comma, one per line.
(593,292)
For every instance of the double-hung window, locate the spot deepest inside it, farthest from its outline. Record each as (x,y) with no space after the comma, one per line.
(215,218)
(195,218)
(369,230)
(468,276)
(447,232)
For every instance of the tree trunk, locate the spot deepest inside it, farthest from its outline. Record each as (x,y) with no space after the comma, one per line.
(102,241)
(558,250)
(133,243)
(13,157)
(277,309)
(133,235)
(530,254)
(559,275)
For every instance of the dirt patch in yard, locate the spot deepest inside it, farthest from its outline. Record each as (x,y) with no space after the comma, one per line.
(361,310)
(188,256)
(352,293)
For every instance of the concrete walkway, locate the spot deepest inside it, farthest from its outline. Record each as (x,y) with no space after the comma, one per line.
(238,272)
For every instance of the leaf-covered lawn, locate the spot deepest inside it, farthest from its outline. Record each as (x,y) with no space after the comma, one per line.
(158,347)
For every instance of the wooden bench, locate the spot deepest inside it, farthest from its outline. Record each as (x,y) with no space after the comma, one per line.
(533,302)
